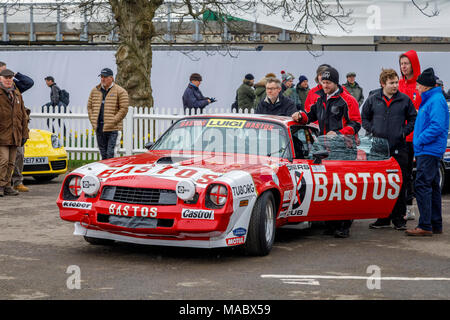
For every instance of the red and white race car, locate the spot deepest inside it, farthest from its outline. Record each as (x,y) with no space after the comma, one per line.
(226,180)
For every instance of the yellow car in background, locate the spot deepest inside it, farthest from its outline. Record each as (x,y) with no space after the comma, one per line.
(45,156)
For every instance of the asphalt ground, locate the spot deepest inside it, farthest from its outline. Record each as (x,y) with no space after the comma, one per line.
(40,258)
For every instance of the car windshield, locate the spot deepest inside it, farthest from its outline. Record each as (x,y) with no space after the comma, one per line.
(226,135)
(349,147)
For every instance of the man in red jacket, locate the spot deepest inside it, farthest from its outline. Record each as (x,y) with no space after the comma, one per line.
(410,70)
(312,96)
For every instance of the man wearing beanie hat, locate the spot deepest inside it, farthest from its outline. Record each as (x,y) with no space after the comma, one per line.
(430,142)
(337,113)
(312,94)
(302,89)
(245,94)
(288,90)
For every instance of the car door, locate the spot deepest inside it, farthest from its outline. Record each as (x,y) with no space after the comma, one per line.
(358,179)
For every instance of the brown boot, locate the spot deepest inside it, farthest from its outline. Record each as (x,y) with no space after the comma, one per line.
(9,191)
(417,232)
(21,188)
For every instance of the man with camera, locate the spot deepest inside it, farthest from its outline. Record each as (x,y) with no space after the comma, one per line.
(193,100)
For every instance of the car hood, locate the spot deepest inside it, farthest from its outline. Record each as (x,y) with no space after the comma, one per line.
(157,167)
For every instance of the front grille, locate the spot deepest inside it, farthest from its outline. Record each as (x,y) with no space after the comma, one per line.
(139,195)
(135,222)
(58,165)
(36,167)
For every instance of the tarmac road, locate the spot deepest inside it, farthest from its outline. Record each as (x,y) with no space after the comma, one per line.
(40,258)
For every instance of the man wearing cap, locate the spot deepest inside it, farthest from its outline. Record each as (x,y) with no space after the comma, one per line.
(353,88)
(337,113)
(246,94)
(302,89)
(430,142)
(13,129)
(107,107)
(22,83)
(193,100)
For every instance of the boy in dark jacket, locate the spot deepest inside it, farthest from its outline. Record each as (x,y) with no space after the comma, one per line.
(390,114)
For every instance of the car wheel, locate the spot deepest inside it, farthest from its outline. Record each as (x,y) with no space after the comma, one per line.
(441,176)
(261,229)
(98,241)
(45,178)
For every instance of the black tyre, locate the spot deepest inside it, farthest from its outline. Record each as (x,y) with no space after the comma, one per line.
(99,242)
(261,229)
(45,178)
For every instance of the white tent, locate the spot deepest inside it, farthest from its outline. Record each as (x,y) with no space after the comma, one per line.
(368,18)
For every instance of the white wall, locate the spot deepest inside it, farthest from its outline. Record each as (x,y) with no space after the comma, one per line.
(77,71)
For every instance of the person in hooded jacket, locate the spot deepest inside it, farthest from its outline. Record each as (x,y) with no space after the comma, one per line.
(410,70)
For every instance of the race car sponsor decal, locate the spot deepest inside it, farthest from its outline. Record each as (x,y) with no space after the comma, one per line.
(226,123)
(302,190)
(258,125)
(199,175)
(346,187)
(235,241)
(243,190)
(197,214)
(318,168)
(133,210)
(77,205)
(239,232)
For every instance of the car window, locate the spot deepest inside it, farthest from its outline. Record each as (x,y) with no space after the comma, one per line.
(351,147)
(226,135)
(302,140)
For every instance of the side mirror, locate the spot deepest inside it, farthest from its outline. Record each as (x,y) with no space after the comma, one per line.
(319,156)
(148,145)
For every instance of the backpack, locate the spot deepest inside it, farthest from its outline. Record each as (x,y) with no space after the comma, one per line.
(64,97)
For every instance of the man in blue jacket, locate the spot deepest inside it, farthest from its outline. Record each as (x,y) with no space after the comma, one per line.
(430,142)
(193,100)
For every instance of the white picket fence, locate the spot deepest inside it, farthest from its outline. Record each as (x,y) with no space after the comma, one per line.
(141,125)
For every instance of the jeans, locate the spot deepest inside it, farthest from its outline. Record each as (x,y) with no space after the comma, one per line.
(428,192)
(106,143)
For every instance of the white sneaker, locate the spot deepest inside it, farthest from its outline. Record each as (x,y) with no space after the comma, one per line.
(410,215)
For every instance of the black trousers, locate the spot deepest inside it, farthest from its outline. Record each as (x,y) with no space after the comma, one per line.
(398,213)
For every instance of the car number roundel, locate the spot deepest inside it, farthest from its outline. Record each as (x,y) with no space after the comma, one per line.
(302,190)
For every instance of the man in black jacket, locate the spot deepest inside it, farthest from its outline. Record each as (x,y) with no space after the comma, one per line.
(390,114)
(193,99)
(337,113)
(275,103)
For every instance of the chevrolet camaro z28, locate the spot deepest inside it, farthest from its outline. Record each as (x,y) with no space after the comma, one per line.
(230,180)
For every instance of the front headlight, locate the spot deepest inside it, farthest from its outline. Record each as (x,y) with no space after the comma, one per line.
(217,195)
(75,186)
(56,144)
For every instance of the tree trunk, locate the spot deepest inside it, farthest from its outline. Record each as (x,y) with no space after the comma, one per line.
(134,55)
